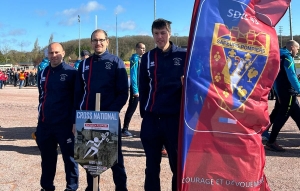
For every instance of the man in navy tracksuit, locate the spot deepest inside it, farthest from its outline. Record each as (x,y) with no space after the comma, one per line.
(56,90)
(106,74)
(160,99)
(287,87)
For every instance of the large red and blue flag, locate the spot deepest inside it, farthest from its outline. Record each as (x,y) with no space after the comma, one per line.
(232,62)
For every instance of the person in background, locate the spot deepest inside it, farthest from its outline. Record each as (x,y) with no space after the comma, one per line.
(160,89)
(5,81)
(16,78)
(1,79)
(56,93)
(83,55)
(287,87)
(103,73)
(22,77)
(134,90)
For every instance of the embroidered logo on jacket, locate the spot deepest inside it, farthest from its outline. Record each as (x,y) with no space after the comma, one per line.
(43,79)
(63,77)
(177,61)
(152,64)
(87,68)
(108,65)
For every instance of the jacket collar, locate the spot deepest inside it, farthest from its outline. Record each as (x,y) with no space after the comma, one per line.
(97,56)
(57,68)
(172,49)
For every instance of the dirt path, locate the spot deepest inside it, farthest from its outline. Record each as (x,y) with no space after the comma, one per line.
(20,158)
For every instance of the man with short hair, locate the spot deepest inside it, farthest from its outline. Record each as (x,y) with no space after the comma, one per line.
(160,89)
(106,74)
(83,55)
(134,90)
(287,87)
(55,120)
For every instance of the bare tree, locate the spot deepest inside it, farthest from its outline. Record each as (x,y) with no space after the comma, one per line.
(5,49)
(51,39)
(37,56)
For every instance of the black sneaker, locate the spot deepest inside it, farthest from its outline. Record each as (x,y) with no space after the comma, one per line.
(126,133)
(274,147)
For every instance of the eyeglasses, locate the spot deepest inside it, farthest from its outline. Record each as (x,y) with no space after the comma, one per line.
(98,40)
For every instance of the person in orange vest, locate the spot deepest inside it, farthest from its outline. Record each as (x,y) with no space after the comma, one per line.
(21,78)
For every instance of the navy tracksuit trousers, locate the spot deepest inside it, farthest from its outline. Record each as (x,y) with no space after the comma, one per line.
(288,106)
(132,105)
(48,136)
(119,174)
(156,131)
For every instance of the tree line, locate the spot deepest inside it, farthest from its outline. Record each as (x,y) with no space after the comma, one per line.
(126,47)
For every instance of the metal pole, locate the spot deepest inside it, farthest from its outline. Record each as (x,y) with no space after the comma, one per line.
(79,37)
(176,34)
(154,17)
(154,9)
(290,13)
(280,32)
(96,22)
(97,108)
(117,48)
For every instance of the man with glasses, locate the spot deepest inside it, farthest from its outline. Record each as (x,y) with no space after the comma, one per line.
(134,90)
(106,74)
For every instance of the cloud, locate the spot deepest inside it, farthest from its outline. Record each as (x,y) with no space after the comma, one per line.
(144,33)
(24,44)
(128,25)
(15,32)
(71,15)
(119,9)
(8,41)
(41,12)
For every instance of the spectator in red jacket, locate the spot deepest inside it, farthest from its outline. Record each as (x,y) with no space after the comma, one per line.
(2,79)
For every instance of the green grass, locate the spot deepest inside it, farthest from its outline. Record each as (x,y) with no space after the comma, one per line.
(128,71)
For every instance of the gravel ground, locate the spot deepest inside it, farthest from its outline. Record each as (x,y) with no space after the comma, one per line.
(20,158)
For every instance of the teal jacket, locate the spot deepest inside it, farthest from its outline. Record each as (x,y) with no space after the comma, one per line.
(286,81)
(134,72)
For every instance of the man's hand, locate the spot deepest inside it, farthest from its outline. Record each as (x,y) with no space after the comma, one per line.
(182,78)
(136,95)
(73,129)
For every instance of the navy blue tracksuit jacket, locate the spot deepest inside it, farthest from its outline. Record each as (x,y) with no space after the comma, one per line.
(55,94)
(105,74)
(159,83)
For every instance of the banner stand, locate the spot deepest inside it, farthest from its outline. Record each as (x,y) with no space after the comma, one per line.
(96,141)
(97,108)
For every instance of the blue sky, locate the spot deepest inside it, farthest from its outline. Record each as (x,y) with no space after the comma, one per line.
(22,22)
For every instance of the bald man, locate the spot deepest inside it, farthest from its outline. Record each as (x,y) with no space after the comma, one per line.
(56,90)
(287,87)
